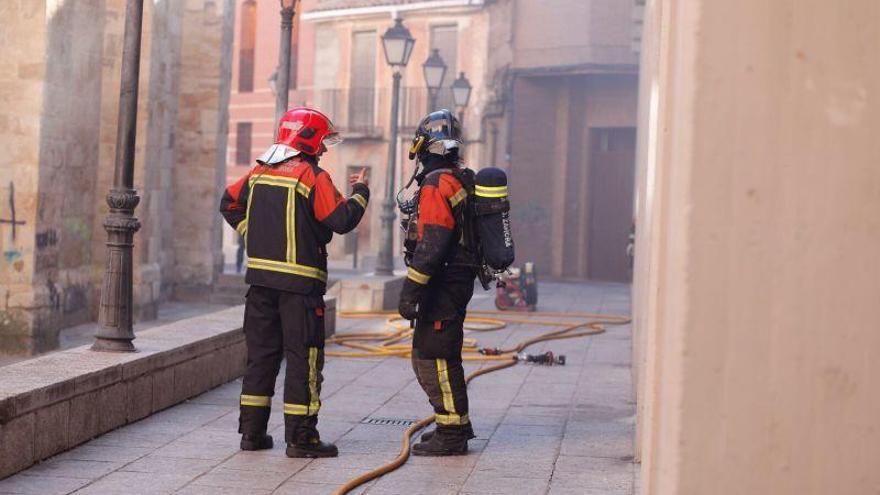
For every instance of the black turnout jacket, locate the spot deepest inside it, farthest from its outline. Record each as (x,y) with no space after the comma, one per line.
(287,213)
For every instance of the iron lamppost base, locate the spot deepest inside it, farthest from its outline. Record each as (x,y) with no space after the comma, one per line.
(115,333)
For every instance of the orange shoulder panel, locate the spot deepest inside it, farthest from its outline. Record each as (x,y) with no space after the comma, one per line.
(434,208)
(449,185)
(327,197)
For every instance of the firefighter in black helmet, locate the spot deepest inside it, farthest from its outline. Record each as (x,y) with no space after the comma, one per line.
(287,209)
(440,281)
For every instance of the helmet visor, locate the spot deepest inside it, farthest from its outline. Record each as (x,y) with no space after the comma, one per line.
(332,140)
(443,146)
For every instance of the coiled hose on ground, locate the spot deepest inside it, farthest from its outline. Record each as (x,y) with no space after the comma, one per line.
(392,343)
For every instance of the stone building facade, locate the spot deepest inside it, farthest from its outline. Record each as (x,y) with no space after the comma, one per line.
(59,89)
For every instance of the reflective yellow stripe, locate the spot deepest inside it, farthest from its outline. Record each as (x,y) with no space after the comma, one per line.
(417,276)
(451,419)
(445,387)
(457,197)
(492,192)
(272,180)
(360,200)
(296,409)
(291,226)
(255,400)
(247,214)
(291,268)
(241,228)
(314,396)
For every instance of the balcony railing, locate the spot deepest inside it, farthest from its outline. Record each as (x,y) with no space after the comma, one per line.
(355,111)
(362,113)
(414,103)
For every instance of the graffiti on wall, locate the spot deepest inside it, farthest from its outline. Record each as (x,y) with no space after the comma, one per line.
(46,238)
(9,218)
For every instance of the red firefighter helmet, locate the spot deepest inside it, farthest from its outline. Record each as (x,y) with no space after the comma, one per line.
(301,130)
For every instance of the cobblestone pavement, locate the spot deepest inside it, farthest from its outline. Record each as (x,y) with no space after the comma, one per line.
(557,430)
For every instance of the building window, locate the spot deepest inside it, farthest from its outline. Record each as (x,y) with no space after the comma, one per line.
(445,39)
(243,136)
(363,81)
(247,46)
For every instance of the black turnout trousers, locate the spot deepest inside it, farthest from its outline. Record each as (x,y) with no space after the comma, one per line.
(280,324)
(437,345)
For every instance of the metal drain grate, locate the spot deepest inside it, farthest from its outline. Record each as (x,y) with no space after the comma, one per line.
(388,422)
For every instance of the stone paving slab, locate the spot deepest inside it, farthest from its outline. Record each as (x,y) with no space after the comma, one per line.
(540,430)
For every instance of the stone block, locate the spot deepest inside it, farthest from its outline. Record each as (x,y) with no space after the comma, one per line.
(163,389)
(139,398)
(17,444)
(329,316)
(112,408)
(51,432)
(41,484)
(192,377)
(369,293)
(42,396)
(240,353)
(123,482)
(98,379)
(242,480)
(230,362)
(150,361)
(84,420)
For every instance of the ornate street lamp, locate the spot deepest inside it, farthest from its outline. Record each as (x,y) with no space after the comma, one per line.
(461,94)
(282,81)
(435,71)
(115,331)
(398,44)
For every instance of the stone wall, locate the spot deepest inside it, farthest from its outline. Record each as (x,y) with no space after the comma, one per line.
(61,66)
(22,70)
(200,147)
(53,403)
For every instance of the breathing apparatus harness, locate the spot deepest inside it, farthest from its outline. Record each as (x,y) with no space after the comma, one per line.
(469,217)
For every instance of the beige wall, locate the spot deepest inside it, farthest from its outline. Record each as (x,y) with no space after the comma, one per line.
(756,297)
(573,32)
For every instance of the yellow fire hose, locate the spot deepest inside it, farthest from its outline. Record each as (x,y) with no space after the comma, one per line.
(388,343)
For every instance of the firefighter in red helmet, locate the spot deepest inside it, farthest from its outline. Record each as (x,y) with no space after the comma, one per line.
(287,209)
(440,280)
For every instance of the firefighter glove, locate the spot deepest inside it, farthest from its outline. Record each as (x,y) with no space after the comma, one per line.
(409,310)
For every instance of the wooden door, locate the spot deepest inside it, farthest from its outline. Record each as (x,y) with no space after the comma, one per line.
(611,186)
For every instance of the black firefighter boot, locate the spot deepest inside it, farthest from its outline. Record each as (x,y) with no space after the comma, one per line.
(304,441)
(444,440)
(260,441)
(252,425)
(430,433)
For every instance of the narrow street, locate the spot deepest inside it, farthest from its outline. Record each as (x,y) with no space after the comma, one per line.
(540,429)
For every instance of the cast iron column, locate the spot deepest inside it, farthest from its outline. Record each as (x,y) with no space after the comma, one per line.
(385,260)
(283,82)
(115,331)
(432,100)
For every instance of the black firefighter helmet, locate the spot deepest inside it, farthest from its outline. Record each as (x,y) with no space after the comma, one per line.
(439,134)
